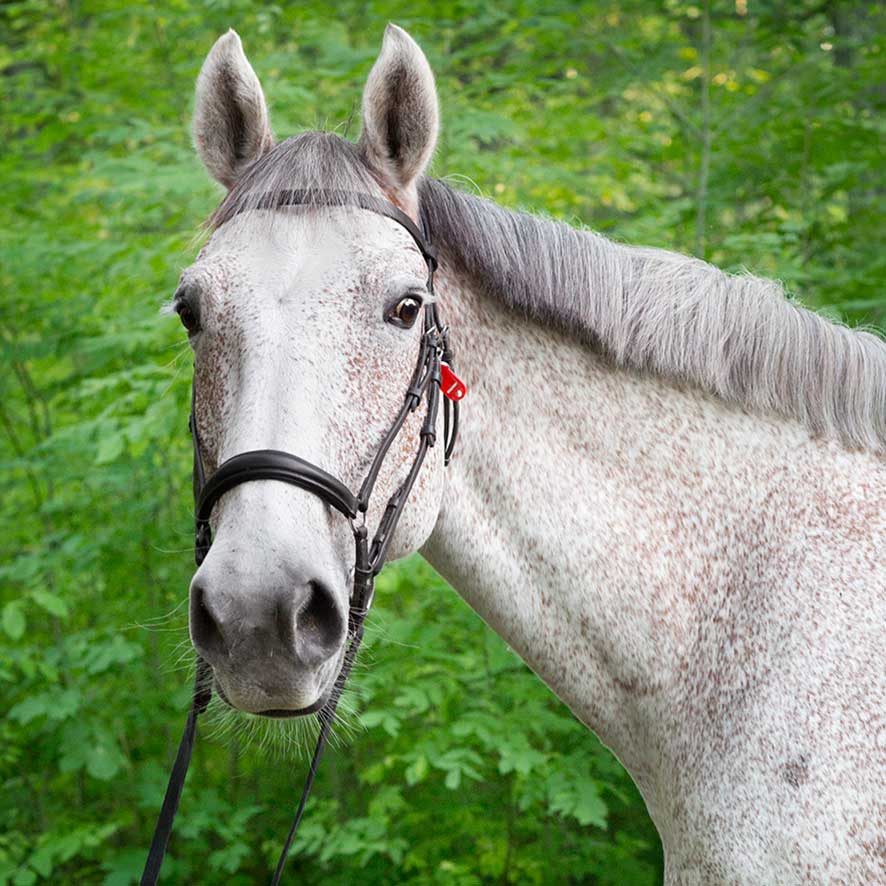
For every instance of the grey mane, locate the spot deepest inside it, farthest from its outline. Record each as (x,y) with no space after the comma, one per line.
(738,337)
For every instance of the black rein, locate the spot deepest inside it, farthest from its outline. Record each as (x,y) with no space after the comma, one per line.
(270,464)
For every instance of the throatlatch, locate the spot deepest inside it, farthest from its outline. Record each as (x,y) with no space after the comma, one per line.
(433,374)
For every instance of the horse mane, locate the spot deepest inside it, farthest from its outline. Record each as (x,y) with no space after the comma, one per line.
(738,337)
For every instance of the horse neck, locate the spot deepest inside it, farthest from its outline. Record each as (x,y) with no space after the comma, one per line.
(598,519)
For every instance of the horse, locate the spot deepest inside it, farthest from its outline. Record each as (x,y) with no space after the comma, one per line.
(667,495)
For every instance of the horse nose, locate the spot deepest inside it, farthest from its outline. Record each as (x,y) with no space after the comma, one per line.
(231,624)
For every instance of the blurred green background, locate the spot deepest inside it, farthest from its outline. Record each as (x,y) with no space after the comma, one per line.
(745,131)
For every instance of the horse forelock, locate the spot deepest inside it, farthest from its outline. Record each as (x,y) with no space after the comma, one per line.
(321,161)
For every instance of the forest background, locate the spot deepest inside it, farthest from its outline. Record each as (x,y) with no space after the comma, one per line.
(748,132)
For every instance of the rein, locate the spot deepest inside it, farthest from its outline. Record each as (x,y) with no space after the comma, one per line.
(433,373)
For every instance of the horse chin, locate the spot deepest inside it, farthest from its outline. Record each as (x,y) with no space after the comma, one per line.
(274,713)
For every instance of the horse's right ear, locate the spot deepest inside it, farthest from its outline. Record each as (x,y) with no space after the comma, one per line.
(231,124)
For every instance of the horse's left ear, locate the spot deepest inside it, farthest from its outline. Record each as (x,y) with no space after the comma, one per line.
(400,113)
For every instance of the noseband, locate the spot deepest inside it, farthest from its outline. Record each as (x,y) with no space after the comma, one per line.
(434,361)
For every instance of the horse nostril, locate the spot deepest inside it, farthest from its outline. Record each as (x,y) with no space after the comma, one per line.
(319,625)
(301,625)
(206,634)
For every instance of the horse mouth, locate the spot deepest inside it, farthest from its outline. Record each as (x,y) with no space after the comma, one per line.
(283,714)
(277,713)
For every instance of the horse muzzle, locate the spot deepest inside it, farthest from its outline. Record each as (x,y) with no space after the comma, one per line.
(275,646)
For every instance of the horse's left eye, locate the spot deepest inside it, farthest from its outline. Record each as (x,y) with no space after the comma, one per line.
(405,312)
(188,318)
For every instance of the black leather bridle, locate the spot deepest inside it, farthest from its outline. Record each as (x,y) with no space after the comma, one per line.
(434,359)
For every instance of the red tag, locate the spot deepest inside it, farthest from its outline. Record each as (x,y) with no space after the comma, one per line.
(451,385)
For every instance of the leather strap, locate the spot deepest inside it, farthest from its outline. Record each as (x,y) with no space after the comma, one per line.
(271,464)
(163,828)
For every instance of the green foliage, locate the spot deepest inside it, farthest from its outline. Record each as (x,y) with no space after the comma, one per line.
(747,132)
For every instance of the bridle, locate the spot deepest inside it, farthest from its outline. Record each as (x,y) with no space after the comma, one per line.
(433,374)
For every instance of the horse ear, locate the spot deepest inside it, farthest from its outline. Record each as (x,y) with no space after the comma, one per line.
(231,124)
(400,112)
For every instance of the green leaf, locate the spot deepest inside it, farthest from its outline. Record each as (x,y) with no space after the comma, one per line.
(52,603)
(104,761)
(416,770)
(516,755)
(29,709)
(230,857)
(124,868)
(371,719)
(589,807)
(389,722)
(64,704)
(14,620)
(103,655)
(41,861)
(574,792)
(109,448)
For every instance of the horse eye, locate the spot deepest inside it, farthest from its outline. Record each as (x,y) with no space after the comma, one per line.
(188,318)
(405,312)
